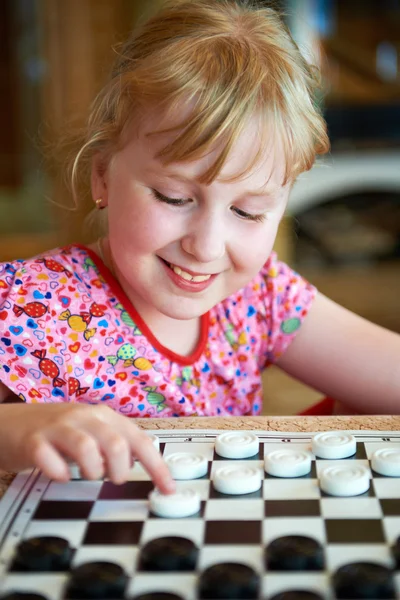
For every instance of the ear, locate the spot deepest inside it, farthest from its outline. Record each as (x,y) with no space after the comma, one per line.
(98,179)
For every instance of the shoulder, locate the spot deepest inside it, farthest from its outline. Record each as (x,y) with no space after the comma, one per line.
(42,277)
(46,302)
(59,262)
(269,309)
(276,284)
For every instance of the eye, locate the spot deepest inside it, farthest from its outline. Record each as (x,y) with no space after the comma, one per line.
(247,216)
(167,200)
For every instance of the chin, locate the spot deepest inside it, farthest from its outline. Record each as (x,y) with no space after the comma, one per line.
(180,312)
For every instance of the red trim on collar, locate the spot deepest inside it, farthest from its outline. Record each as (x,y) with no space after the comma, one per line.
(127,304)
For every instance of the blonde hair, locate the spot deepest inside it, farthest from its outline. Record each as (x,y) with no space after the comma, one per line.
(232,60)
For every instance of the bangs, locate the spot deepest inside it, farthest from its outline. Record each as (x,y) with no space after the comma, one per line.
(216,64)
(226,82)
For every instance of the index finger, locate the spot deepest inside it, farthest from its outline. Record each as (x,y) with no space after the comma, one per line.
(143,449)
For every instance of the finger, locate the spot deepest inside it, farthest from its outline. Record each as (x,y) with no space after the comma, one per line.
(115,450)
(143,449)
(48,460)
(82,448)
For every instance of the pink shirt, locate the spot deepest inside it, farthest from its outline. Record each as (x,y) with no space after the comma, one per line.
(68,333)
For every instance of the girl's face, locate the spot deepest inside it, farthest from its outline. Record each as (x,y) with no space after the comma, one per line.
(179,247)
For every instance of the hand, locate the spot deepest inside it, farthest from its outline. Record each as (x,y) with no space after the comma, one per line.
(100,441)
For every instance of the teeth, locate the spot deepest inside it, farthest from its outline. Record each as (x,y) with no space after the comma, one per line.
(187,276)
(199,278)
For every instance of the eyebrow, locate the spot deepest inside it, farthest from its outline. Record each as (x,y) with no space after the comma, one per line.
(271,190)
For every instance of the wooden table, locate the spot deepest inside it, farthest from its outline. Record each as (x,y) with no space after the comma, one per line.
(380,423)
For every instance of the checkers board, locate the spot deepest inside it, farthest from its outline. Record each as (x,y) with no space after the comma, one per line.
(106,522)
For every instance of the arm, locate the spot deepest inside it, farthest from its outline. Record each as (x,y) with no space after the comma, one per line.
(4,392)
(101,441)
(347,358)
(7,395)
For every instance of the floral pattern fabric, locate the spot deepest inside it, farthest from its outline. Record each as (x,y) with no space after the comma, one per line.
(68,333)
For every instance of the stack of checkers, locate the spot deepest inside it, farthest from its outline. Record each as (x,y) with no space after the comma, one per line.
(272,521)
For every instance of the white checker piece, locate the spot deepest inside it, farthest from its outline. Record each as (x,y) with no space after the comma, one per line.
(345,480)
(370,447)
(237,479)
(183,503)
(334,444)
(237,444)
(206,449)
(187,465)
(258,464)
(386,461)
(322,464)
(288,462)
(231,508)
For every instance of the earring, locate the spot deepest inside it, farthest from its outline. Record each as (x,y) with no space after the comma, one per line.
(98,204)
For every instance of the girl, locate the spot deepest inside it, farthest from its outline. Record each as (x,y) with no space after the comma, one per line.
(192,149)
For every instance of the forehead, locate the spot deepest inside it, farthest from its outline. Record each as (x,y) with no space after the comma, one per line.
(257,153)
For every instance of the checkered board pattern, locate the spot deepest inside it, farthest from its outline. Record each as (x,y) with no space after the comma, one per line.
(103,521)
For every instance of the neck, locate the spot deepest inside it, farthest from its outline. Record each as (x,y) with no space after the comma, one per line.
(178,336)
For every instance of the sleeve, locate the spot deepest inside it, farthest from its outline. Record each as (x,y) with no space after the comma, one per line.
(286,299)
(30,362)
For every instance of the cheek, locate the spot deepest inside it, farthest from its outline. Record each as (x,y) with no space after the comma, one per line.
(253,248)
(142,228)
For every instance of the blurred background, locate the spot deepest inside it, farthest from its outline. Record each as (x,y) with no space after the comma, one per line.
(342,230)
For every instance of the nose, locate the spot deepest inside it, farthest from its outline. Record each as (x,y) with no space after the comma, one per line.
(206,239)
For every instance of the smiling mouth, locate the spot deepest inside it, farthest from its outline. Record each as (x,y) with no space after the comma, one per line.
(185,275)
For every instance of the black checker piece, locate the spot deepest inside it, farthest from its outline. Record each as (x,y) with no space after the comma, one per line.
(97,581)
(365,580)
(294,553)
(233,581)
(170,553)
(297,595)
(46,553)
